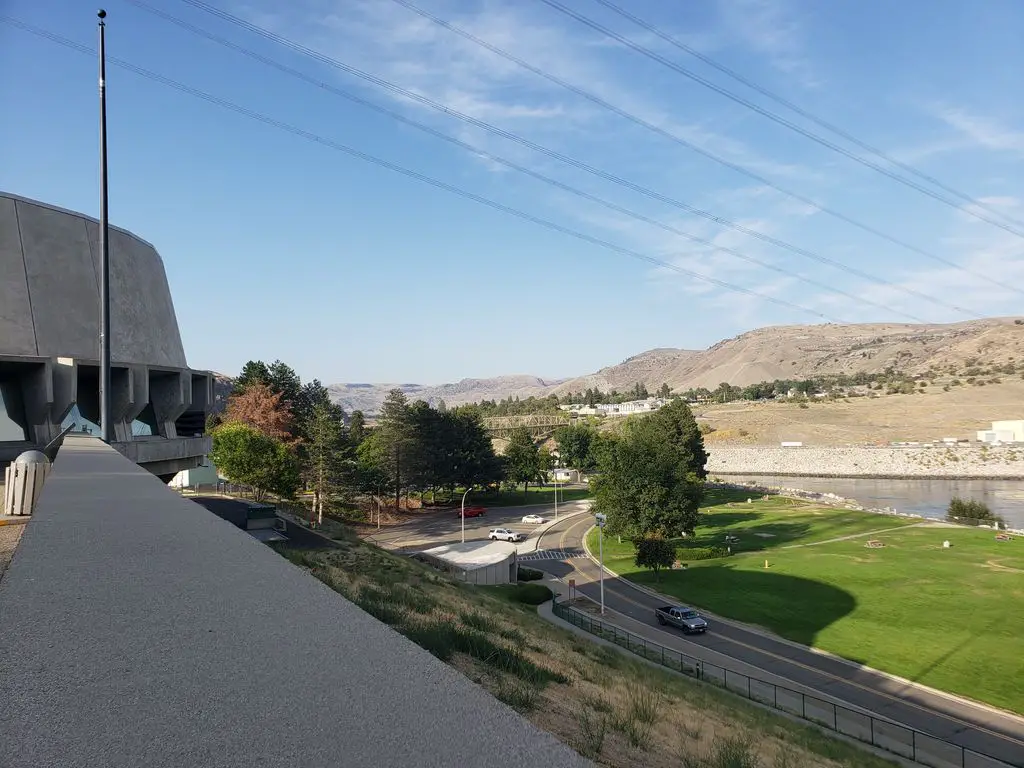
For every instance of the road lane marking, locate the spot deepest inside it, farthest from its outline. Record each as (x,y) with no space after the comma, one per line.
(617,588)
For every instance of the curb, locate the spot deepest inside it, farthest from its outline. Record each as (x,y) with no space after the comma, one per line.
(818,651)
(541,530)
(18,520)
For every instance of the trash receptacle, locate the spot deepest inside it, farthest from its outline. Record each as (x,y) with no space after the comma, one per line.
(23,481)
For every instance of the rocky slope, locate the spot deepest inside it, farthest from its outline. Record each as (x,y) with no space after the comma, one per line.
(765,354)
(368,397)
(803,351)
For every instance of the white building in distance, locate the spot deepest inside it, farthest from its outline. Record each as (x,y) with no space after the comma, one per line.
(617,409)
(1003,432)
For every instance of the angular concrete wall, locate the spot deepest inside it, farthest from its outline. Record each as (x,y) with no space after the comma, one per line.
(49,294)
(17,332)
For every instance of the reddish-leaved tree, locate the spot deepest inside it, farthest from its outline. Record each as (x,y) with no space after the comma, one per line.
(262,409)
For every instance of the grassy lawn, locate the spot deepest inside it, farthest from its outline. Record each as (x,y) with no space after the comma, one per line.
(947,618)
(535,495)
(607,705)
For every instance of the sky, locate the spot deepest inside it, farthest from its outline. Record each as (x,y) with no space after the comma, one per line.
(279,244)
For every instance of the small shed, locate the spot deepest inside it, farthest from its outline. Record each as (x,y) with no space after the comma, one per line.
(476,562)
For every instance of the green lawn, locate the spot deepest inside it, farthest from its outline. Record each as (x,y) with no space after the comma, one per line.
(535,495)
(948,618)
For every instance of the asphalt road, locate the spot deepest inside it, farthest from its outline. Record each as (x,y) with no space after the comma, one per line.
(445,527)
(974,727)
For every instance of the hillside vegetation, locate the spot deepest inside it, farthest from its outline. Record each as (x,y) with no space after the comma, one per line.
(809,351)
(608,705)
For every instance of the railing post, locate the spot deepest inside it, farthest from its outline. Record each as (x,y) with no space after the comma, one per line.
(775,695)
(913,741)
(872,720)
(749,696)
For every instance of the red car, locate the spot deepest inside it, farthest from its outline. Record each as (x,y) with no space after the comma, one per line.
(473,511)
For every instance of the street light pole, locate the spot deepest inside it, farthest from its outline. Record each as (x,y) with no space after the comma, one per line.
(601,520)
(106,426)
(464,514)
(556,495)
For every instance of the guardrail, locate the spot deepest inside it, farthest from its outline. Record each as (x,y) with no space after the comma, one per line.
(884,734)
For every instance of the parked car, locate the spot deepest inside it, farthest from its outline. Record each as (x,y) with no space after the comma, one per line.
(686,619)
(472,511)
(533,520)
(505,534)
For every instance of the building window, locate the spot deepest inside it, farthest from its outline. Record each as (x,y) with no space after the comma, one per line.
(145,423)
(13,425)
(81,424)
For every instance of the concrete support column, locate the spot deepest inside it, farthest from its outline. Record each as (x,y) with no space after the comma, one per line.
(170,392)
(125,401)
(37,397)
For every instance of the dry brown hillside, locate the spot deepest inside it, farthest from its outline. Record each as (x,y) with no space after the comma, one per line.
(932,414)
(805,351)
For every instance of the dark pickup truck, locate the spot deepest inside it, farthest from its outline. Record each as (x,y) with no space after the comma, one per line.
(682,617)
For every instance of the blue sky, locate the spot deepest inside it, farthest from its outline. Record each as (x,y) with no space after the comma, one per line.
(279,247)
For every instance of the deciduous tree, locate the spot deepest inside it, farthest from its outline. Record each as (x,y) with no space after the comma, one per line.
(645,484)
(521,458)
(249,457)
(258,407)
(576,446)
(654,552)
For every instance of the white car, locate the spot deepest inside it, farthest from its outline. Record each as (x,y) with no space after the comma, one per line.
(533,520)
(505,534)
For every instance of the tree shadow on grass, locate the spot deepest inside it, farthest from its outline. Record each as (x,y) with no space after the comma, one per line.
(755,538)
(791,606)
(725,519)
(715,497)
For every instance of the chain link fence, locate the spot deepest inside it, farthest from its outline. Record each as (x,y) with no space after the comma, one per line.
(884,734)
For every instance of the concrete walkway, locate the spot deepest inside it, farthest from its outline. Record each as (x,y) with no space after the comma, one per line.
(139,629)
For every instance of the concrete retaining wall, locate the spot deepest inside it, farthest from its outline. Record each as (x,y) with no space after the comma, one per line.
(955,461)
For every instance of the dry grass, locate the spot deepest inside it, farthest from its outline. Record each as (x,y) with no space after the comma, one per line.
(610,707)
(10,535)
(960,412)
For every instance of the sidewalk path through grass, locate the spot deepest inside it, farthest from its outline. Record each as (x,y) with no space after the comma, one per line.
(854,536)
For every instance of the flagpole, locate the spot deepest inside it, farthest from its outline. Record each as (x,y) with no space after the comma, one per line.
(106,425)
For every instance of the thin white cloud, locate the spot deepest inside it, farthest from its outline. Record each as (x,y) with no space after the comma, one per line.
(771,29)
(981,131)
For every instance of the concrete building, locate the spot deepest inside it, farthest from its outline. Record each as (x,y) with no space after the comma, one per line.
(49,342)
(1003,432)
(476,562)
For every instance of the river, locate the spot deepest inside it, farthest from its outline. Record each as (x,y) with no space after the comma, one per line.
(924,496)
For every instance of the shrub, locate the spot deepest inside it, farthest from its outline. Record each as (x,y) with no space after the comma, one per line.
(700,553)
(528,594)
(530,574)
(972,511)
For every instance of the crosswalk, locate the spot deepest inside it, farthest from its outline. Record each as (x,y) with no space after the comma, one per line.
(553,554)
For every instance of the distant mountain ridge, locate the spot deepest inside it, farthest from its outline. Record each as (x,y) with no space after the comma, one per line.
(764,354)
(368,397)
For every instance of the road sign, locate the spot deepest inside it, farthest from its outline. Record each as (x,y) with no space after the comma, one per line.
(601,519)
(572,583)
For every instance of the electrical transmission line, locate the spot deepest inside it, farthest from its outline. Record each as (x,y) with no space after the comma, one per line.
(524,170)
(352,152)
(683,142)
(800,111)
(654,56)
(405,93)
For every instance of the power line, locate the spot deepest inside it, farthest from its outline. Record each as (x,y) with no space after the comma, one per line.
(654,56)
(802,112)
(352,152)
(512,165)
(683,142)
(419,98)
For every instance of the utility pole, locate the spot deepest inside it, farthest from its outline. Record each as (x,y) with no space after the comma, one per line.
(106,425)
(601,521)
